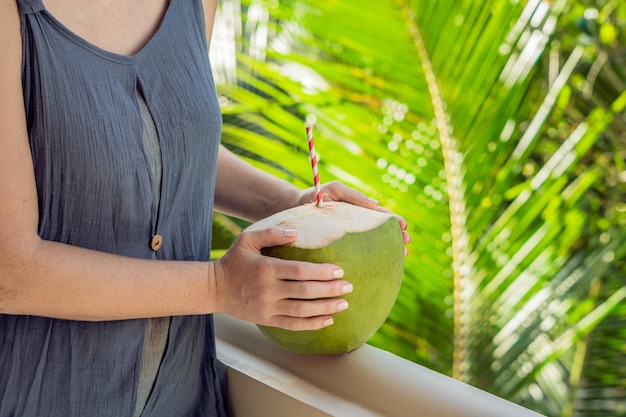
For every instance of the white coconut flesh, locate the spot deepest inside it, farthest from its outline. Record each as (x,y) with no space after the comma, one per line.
(338,219)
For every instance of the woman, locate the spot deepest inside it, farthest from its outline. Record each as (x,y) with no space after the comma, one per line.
(109,171)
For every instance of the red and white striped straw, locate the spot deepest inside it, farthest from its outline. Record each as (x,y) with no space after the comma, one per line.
(313,158)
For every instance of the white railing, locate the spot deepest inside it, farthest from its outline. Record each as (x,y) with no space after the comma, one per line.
(266,381)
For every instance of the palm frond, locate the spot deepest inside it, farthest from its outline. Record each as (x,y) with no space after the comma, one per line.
(496,129)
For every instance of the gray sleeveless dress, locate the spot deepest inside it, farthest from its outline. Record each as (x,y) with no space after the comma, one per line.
(124,150)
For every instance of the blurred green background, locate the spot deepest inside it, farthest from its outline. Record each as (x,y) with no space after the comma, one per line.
(497,129)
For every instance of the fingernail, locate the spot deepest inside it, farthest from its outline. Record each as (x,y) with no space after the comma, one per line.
(346,289)
(342,306)
(290,232)
(372,200)
(328,322)
(338,273)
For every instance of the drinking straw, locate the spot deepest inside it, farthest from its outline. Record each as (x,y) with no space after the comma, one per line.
(313,158)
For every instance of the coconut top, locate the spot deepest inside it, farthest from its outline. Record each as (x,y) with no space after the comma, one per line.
(320,226)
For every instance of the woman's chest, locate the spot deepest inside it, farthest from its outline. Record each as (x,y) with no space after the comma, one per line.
(123,27)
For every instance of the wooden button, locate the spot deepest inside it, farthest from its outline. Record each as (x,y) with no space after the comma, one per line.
(156,242)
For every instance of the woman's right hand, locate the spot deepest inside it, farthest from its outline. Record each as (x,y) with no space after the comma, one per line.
(274,292)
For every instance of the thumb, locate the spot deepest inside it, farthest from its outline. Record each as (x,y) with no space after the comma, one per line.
(265,238)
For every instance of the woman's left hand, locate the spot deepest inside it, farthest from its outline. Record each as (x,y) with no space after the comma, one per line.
(337,191)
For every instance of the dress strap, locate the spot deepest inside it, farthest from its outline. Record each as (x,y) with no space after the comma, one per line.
(30,6)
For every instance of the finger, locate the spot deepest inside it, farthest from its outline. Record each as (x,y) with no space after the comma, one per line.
(407,240)
(338,191)
(301,324)
(403,224)
(312,308)
(306,271)
(264,238)
(406,237)
(310,290)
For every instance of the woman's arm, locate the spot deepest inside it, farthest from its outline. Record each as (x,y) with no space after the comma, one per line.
(245,191)
(51,279)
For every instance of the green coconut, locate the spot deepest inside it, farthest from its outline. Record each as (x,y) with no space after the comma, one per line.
(367,245)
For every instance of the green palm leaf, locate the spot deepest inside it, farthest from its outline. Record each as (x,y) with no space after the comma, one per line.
(495,131)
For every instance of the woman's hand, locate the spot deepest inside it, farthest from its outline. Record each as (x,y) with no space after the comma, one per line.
(336,191)
(274,292)
(245,191)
